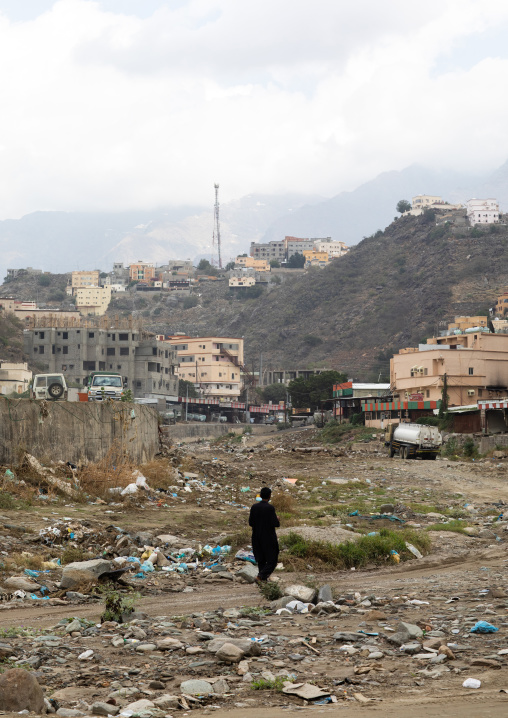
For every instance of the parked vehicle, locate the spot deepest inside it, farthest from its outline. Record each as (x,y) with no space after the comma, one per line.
(410,441)
(49,386)
(101,385)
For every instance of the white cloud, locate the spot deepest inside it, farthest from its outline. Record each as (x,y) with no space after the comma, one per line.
(102,110)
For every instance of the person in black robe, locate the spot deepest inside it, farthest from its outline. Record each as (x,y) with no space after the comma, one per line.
(265,546)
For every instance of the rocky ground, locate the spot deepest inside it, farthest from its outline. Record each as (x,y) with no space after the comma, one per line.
(385,636)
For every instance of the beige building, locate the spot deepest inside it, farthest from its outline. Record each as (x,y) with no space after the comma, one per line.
(85,279)
(312,256)
(333,249)
(213,364)
(462,323)
(93,301)
(14,377)
(429,201)
(242,282)
(260,265)
(475,365)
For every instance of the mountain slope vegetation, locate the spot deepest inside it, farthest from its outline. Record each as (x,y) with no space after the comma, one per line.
(393,289)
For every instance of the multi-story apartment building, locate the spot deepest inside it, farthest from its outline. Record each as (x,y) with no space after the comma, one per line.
(150,366)
(213,364)
(269,250)
(141,272)
(85,279)
(294,245)
(474,364)
(482,211)
(14,377)
(92,301)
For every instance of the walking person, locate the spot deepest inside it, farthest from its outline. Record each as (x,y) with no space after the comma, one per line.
(265,546)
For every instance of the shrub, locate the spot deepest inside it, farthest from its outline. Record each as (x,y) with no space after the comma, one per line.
(469,448)
(44,280)
(277,684)
(72,554)
(457,526)
(117,606)
(270,590)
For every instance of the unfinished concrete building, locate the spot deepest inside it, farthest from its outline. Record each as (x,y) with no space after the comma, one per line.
(149,365)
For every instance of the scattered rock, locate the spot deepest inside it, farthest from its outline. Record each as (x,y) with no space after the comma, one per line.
(196,687)
(230,653)
(301,593)
(19,691)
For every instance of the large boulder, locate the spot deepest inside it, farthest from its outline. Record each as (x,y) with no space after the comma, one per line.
(229,653)
(20,691)
(249,648)
(196,687)
(21,583)
(302,593)
(84,572)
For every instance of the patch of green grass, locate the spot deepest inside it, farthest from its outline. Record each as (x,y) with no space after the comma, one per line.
(277,684)
(456,525)
(254,611)
(355,554)
(455,513)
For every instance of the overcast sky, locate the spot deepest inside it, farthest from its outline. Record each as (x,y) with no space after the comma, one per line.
(120,104)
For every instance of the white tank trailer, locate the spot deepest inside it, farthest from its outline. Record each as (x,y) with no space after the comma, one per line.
(411,441)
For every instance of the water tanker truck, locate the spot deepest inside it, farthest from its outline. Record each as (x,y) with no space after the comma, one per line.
(411,441)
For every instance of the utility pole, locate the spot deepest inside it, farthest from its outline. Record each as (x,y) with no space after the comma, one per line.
(261,369)
(186,402)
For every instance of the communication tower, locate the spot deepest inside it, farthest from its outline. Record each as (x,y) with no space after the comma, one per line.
(216,226)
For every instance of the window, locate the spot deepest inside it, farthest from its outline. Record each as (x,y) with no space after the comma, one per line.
(427,393)
(138,384)
(111,351)
(91,335)
(154,351)
(118,366)
(65,335)
(124,351)
(124,337)
(65,350)
(480,392)
(471,371)
(88,366)
(41,334)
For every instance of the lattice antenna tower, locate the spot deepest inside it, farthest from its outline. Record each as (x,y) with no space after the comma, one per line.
(216,226)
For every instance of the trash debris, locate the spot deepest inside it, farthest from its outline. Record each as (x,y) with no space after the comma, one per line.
(483,627)
(471,683)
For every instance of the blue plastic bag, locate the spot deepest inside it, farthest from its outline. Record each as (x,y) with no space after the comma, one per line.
(484,627)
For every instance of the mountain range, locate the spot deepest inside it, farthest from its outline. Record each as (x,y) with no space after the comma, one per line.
(63,241)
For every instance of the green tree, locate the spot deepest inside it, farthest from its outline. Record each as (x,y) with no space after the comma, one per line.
(44,280)
(190,302)
(309,393)
(274,393)
(184,386)
(204,265)
(403,206)
(275,264)
(296,261)
(230,266)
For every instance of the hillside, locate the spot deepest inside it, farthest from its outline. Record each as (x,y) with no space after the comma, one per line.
(392,290)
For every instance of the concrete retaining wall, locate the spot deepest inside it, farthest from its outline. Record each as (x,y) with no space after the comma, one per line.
(489,443)
(75,432)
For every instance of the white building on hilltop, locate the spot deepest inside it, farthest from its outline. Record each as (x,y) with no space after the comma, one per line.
(482,211)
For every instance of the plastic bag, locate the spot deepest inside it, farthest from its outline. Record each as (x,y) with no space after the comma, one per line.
(147,567)
(244,555)
(129,489)
(484,627)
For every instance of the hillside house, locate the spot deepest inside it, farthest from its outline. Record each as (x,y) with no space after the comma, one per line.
(15,377)
(482,211)
(242,282)
(261,265)
(475,366)
(213,364)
